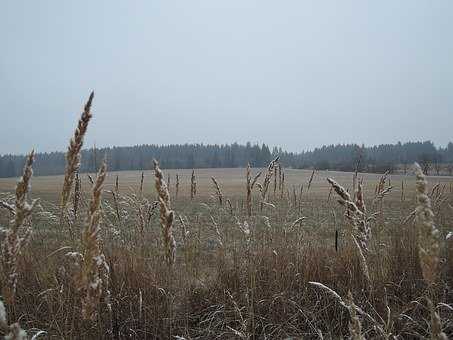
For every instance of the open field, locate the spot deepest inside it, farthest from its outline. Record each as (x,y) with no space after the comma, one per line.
(231,275)
(232,181)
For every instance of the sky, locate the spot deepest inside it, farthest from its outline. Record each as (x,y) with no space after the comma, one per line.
(296,74)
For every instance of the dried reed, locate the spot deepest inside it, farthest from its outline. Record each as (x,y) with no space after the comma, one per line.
(249,187)
(166,215)
(18,235)
(266,182)
(428,235)
(73,155)
(93,280)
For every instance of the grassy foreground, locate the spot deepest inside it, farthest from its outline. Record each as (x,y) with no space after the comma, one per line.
(236,256)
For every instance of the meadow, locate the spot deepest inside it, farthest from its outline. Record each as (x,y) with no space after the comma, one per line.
(271,253)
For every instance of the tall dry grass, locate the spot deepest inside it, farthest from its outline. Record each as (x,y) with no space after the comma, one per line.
(166,215)
(371,267)
(428,235)
(18,235)
(93,279)
(73,155)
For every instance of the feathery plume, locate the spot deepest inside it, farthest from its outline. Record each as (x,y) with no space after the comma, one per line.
(267,180)
(381,191)
(354,214)
(94,275)
(73,154)
(249,187)
(17,235)
(166,215)
(428,235)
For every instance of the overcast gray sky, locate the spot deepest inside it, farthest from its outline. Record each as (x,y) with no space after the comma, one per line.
(297,74)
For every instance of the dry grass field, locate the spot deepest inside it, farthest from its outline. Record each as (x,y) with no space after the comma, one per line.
(234,276)
(225,254)
(232,180)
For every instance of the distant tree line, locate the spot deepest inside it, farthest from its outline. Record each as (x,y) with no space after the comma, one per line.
(343,157)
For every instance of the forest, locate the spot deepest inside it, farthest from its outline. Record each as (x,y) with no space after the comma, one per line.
(344,157)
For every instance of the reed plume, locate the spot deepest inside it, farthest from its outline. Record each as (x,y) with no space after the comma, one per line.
(267,179)
(94,275)
(360,232)
(249,187)
(355,213)
(428,235)
(166,215)
(17,236)
(381,190)
(73,155)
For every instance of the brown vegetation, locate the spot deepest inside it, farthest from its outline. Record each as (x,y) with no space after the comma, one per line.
(259,266)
